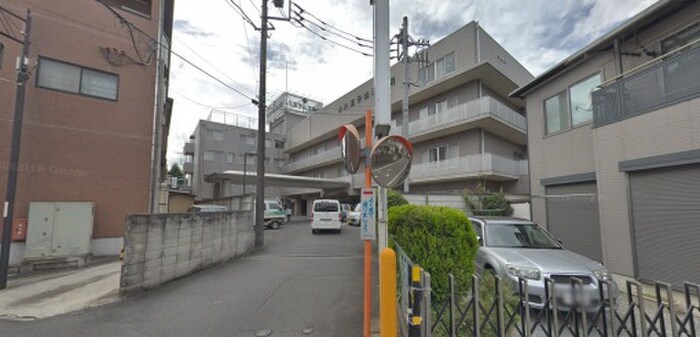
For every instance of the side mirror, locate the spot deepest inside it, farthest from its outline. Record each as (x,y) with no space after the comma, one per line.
(478,239)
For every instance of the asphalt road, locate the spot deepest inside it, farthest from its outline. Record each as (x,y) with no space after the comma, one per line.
(299,284)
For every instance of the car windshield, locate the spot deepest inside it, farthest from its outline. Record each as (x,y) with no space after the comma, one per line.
(274,206)
(519,236)
(326,207)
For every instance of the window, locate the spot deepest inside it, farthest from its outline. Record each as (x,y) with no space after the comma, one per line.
(248,139)
(437,69)
(580,101)
(141,7)
(209,155)
(681,38)
(431,109)
(451,102)
(437,154)
(279,144)
(215,134)
(556,116)
(230,157)
(450,63)
(77,80)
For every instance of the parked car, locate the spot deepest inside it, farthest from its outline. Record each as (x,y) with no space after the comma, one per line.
(355,216)
(345,211)
(512,248)
(275,214)
(326,214)
(206,208)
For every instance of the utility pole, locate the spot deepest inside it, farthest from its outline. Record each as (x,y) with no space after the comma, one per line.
(406,41)
(14,155)
(260,182)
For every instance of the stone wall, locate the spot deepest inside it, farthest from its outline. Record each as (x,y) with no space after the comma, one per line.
(162,247)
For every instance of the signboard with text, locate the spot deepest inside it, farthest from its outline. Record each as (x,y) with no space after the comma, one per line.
(368,230)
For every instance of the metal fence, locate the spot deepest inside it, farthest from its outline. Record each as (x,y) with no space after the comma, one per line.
(491,306)
(673,80)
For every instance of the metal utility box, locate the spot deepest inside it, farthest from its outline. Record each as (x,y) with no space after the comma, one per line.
(59,229)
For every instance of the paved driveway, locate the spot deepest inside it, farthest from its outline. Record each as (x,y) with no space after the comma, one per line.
(299,284)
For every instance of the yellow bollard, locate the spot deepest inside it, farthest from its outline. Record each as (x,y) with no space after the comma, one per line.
(388,320)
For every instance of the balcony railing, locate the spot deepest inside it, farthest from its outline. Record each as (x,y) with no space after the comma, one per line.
(474,165)
(189,148)
(665,83)
(319,158)
(188,167)
(468,112)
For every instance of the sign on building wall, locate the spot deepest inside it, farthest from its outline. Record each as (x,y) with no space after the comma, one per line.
(368,230)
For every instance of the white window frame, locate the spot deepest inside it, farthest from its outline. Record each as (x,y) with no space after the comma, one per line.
(78,88)
(439,150)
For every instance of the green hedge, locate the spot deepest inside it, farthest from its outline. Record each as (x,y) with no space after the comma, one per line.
(394,198)
(439,239)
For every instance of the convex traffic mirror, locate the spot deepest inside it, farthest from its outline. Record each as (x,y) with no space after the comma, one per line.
(391,161)
(351,147)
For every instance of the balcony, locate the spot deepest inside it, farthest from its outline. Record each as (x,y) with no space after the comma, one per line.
(189,148)
(485,112)
(317,160)
(188,167)
(665,83)
(487,165)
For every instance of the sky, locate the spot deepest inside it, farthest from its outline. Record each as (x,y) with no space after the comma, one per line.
(213,35)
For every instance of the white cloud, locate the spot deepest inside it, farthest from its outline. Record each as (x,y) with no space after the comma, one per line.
(539,33)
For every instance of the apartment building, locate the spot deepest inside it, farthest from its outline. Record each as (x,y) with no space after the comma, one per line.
(614,139)
(91,100)
(217,147)
(464,127)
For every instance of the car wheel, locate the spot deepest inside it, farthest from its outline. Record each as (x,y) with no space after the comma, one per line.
(338,231)
(275,225)
(313,231)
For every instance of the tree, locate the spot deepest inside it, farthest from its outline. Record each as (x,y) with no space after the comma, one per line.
(394,198)
(483,202)
(175,171)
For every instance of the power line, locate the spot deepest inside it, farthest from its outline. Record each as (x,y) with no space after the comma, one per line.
(302,10)
(250,53)
(355,41)
(130,25)
(206,61)
(207,105)
(238,9)
(329,40)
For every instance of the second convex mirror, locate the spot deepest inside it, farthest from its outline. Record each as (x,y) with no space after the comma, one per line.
(391,161)
(351,147)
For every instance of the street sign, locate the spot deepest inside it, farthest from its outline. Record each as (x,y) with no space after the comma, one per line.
(368,231)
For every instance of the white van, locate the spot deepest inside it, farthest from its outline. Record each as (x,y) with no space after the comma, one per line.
(326,214)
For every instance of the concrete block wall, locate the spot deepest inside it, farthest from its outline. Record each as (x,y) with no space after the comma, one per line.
(162,247)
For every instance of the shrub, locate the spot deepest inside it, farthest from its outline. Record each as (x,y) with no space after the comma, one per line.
(439,239)
(394,198)
(482,202)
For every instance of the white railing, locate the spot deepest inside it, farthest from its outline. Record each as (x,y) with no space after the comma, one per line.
(469,165)
(319,158)
(467,112)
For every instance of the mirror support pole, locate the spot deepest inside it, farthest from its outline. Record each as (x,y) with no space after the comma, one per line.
(368,243)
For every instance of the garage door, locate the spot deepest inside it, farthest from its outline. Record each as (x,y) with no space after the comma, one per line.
(572,215)
(666,222)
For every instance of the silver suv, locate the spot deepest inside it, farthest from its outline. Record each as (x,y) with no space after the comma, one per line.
(512,248)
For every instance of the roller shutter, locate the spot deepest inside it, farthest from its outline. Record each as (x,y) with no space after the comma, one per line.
(666,223)
(572,215)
